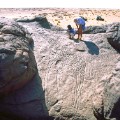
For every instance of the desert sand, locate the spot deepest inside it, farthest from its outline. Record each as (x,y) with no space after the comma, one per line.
(64,16)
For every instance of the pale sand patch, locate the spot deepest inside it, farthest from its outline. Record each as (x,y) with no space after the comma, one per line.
(64,16)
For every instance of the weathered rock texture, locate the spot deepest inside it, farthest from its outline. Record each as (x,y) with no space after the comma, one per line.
(114,38)
(95,29)
(17,63)
(75,80)
(41,20)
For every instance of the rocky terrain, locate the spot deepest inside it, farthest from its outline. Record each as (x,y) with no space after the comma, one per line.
(44,75)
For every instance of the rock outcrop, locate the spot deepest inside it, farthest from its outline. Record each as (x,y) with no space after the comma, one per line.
(95,29)
(41,20)
(99,18)
(114,37)
(76,80)
(17,63)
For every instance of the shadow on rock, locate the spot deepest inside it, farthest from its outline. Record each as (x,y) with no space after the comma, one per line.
(115,44)
(27,103)
(76,40)
(116,110)
(92,48)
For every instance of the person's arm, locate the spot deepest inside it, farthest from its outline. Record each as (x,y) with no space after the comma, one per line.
(77,25)
(75,20)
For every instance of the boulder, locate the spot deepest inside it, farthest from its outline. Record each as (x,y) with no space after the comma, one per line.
(17,63)
(41,20)
(114,35)
(99,18)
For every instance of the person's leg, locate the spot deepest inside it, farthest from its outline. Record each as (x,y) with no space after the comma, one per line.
(80,32)
(69,35)
(72,35)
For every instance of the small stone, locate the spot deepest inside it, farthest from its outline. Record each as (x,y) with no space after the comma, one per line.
(57,108)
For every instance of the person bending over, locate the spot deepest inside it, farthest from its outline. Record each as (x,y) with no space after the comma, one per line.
(80,23)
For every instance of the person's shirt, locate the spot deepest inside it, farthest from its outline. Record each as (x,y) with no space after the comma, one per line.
(71,31)
(80,21)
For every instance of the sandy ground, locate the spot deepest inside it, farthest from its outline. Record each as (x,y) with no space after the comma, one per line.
(64,16)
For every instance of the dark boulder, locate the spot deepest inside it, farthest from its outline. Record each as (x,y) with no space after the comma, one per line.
(99,18)
(114,37)
(17,63)
(95,29)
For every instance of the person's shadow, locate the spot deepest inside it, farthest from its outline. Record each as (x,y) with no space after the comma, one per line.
(92,47)
(75,40)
